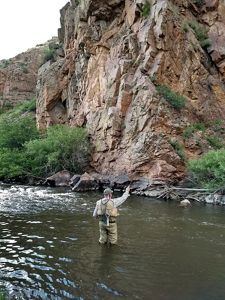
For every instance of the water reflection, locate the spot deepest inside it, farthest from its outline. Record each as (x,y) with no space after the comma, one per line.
(49,249)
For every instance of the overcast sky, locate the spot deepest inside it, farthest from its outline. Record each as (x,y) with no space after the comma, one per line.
(26,23)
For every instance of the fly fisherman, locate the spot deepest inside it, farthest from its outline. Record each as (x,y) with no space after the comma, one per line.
(106,211)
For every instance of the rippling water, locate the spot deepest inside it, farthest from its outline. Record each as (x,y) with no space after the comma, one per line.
(49,249)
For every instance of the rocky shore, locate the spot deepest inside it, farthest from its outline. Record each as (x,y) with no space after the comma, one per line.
(143,187)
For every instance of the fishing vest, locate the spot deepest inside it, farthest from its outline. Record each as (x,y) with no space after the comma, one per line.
(108,209)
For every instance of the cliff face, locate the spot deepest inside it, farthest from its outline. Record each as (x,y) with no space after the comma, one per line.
(116,53)
(18,75)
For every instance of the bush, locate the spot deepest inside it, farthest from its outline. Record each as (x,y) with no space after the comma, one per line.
(146,9)
(217,125)
(62,148)
(5,63)
(185,27)
(49,55)
(27,106)
(201,34)
(11,163)
(205,43)
(5,107)
(24,67)
(199,2)
(24,152)
(14,132)
(209,170)
(176,100)
(188,132)
(215,141)
(17,126)
(179,149)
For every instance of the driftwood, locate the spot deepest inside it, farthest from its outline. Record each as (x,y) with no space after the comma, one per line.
(216,196)
(190,189)
(180,191)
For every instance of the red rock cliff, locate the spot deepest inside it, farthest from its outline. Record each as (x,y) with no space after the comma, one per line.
(116,53)
(18,75)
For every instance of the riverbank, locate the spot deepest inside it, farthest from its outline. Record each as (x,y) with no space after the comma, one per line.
(141,187)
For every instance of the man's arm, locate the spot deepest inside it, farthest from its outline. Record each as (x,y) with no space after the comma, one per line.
(95,210)
(123,198)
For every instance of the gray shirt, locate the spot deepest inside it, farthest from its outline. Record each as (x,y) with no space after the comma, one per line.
(116,201)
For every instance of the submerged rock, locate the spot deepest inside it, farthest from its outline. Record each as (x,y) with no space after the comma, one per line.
(185,203)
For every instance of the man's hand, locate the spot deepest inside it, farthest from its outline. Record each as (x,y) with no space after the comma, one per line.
(128,189)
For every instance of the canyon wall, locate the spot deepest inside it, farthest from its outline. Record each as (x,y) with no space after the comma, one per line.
(18,75)
(117,55)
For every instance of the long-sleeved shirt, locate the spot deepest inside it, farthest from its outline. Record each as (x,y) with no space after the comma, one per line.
(116,201)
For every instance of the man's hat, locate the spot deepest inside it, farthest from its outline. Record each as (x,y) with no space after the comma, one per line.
(107,191)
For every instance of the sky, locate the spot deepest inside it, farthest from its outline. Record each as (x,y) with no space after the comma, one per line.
(26,23)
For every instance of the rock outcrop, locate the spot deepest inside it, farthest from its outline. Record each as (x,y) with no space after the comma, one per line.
(117,53)
(18,75)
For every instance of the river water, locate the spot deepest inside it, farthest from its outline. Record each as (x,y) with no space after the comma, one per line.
(49,248)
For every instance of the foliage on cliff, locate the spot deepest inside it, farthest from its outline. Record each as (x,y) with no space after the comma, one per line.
(60,148)
(25,152)
(209,170)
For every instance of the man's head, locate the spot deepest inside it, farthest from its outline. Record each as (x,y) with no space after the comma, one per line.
(108,192)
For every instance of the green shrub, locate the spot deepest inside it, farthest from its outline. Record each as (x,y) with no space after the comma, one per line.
(24,67)
(199,2)
(154,79)
(179,149)
(185,26)
(4,295)
(201,34)
(62,148)
(24,152)
(205,43)
(176,100)
(217,125)
(217,122)
(188,132)
(146,9)
(26,106)
(49,55)
(5,63)
(215,141)
(5,107)
(209,170)
(11,163)
(14,132)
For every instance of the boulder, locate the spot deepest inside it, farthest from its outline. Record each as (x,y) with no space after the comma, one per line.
(120,181)
(61,178)
(86,183)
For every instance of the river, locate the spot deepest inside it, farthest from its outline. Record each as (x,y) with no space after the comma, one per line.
(49,248)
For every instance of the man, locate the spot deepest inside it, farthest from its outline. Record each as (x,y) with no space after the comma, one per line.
(106,211)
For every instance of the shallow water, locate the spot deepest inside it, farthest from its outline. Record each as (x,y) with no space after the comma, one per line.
(49,248)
